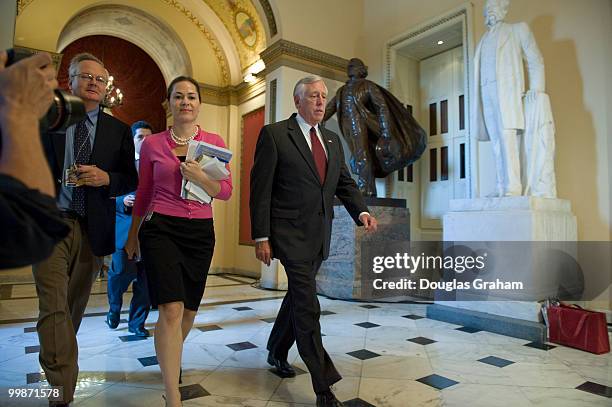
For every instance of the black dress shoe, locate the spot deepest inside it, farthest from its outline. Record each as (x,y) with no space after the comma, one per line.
(112,319)
(328,399)
(283,368)
(140,331)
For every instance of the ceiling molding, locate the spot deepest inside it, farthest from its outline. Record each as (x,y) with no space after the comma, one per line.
(301,57)
(232,95)
(267,9)
(22,4)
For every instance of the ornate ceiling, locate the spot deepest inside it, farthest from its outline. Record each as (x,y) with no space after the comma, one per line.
(229,32)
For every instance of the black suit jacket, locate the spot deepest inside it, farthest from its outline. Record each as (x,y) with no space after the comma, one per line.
(288,202)
(113,152)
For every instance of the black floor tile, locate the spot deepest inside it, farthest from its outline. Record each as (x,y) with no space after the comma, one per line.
(437,381)
(367,325)
(241,346)
(243,308)
(192,391)
(421,340)
(269,320)
(357,403)
(363,354)
(413,316)
(298,372)
(369,306)
(148,361)
(32,349)
(29,329)
(132,338)
(468,330)
(35,377)
(495,361)
(596,388)
(539,345)
(209,328)
(327,313)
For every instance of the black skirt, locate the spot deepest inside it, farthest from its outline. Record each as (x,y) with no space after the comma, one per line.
(177,253)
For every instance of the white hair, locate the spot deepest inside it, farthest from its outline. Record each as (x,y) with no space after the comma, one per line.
(73,69)
(298,90)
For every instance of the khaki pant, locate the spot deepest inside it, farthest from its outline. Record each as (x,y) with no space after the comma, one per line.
(63,284)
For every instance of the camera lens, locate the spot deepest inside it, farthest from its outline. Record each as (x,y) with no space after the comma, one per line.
(65,110)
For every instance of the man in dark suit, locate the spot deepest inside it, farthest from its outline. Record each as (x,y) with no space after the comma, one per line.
(298,168)
(92,164)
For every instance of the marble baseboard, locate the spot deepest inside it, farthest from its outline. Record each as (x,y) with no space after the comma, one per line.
(514,327)
(496,223)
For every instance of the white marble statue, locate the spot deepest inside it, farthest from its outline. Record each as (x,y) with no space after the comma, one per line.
(503,112)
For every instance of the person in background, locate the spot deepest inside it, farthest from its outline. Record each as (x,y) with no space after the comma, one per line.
(123,271)
(176,235)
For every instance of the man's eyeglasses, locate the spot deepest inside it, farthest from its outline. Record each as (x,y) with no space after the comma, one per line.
(100,80)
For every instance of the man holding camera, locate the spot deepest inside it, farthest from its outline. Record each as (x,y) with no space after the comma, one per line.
(92,163)
(30,224)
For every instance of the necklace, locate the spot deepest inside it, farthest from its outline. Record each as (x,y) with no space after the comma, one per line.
(183,141)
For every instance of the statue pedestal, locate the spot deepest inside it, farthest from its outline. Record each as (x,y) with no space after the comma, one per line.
(494,220)
(340,275)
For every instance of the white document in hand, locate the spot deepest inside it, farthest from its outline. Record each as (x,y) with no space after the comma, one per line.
(195,193)
(215,169)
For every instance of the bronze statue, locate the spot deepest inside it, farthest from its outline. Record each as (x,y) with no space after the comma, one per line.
(381,133)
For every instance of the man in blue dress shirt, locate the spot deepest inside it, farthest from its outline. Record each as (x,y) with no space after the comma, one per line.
(123,271)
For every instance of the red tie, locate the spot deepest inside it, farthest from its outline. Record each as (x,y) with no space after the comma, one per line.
(319,154)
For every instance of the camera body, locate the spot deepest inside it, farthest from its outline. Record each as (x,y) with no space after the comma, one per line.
(66,109)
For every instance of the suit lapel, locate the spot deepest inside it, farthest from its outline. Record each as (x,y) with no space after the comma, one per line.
(295,133)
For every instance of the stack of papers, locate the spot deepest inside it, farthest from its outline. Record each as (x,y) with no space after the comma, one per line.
(212,159)
(200,148)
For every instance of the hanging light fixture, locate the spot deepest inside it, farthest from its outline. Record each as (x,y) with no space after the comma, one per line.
(114,96)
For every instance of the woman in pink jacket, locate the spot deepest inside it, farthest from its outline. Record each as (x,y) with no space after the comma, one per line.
(176,235)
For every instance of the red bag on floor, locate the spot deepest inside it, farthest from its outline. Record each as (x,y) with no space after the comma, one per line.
(578,328)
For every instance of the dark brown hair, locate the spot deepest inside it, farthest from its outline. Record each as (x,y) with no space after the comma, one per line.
(184,79)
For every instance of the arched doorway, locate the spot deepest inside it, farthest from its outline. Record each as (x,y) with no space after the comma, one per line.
(135,73)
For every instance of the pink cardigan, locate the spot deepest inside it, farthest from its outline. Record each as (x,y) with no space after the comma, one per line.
(159,186)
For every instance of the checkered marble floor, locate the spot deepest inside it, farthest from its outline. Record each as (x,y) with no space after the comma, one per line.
(388,354)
